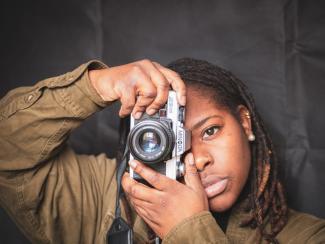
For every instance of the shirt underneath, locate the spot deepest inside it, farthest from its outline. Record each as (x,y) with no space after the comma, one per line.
(222,219)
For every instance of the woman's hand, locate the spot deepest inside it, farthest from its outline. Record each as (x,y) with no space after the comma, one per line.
(140,86)
(170,201)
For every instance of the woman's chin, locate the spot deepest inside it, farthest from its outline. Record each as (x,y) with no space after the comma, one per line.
(221,203)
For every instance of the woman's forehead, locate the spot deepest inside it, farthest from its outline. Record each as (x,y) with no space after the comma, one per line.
(200,107)
(201,99)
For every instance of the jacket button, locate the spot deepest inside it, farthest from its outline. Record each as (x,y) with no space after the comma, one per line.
(29,98)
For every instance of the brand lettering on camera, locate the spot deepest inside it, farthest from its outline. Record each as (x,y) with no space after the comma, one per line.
(179,145)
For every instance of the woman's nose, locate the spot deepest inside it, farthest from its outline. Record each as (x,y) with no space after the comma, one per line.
(202,161)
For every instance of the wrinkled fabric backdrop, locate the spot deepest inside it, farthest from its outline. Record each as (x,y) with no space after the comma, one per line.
(277,47)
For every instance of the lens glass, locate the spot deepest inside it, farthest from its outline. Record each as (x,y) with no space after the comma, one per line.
(149,141)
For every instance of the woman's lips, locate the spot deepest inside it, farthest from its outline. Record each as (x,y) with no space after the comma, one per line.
(214,185)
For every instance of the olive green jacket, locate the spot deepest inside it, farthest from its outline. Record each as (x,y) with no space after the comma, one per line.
(57,196)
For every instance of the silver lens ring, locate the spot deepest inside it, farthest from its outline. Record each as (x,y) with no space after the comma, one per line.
(151,141)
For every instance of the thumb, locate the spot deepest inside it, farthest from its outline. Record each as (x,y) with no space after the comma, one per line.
(192,177)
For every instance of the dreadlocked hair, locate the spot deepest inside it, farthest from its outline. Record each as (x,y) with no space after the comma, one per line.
(267,202)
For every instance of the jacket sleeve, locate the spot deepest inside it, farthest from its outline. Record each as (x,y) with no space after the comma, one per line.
(54,195)
(200,228)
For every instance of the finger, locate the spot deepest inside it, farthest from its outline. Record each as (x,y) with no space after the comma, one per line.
(137,190)
(145,92)
(145,97)
(127,102)
(146,217)
(162,86)
(175,81)
(154,178)
(141,105)
(148,214)
(192,177)
(141,203)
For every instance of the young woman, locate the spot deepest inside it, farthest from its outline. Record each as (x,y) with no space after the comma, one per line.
(231,170)
(231,191)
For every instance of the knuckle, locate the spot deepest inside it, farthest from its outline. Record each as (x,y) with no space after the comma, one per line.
(179,84)
(145,61)
(191,171)
(129,102)
(149,94)
(128,189)
(190,168)
(136,69)
(160,100)
(156,63)
(154,178)
(176,75)
(155,106)
(127,95)
(163,84)
(128,106)
(133,190)
(139,108)
(171,73)
(143,101)
(162,202)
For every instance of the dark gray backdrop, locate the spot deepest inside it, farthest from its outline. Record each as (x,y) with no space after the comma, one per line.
(277,47)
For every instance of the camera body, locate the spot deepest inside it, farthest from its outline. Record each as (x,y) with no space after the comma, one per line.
(160,140)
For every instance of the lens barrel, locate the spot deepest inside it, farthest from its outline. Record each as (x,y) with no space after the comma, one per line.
(151,141)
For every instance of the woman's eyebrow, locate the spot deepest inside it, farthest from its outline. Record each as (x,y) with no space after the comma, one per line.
(202,121)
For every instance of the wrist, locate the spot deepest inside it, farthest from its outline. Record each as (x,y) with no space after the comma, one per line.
(94,78)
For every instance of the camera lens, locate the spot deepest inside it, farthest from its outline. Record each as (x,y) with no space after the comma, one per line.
(149,141)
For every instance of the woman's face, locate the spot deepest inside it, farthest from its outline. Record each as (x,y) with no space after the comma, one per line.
(220,148)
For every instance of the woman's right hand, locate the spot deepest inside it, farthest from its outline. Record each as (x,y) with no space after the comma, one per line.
(140,86)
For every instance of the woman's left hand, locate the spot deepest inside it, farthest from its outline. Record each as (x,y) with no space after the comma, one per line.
(169,201)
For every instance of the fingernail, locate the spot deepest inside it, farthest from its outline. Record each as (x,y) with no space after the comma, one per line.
(138,115)
(151,111)
(133,164)
(191,159)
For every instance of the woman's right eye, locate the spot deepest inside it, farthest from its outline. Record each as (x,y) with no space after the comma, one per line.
(210,131)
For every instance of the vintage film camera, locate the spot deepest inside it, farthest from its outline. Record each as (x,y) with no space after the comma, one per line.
(160,140)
